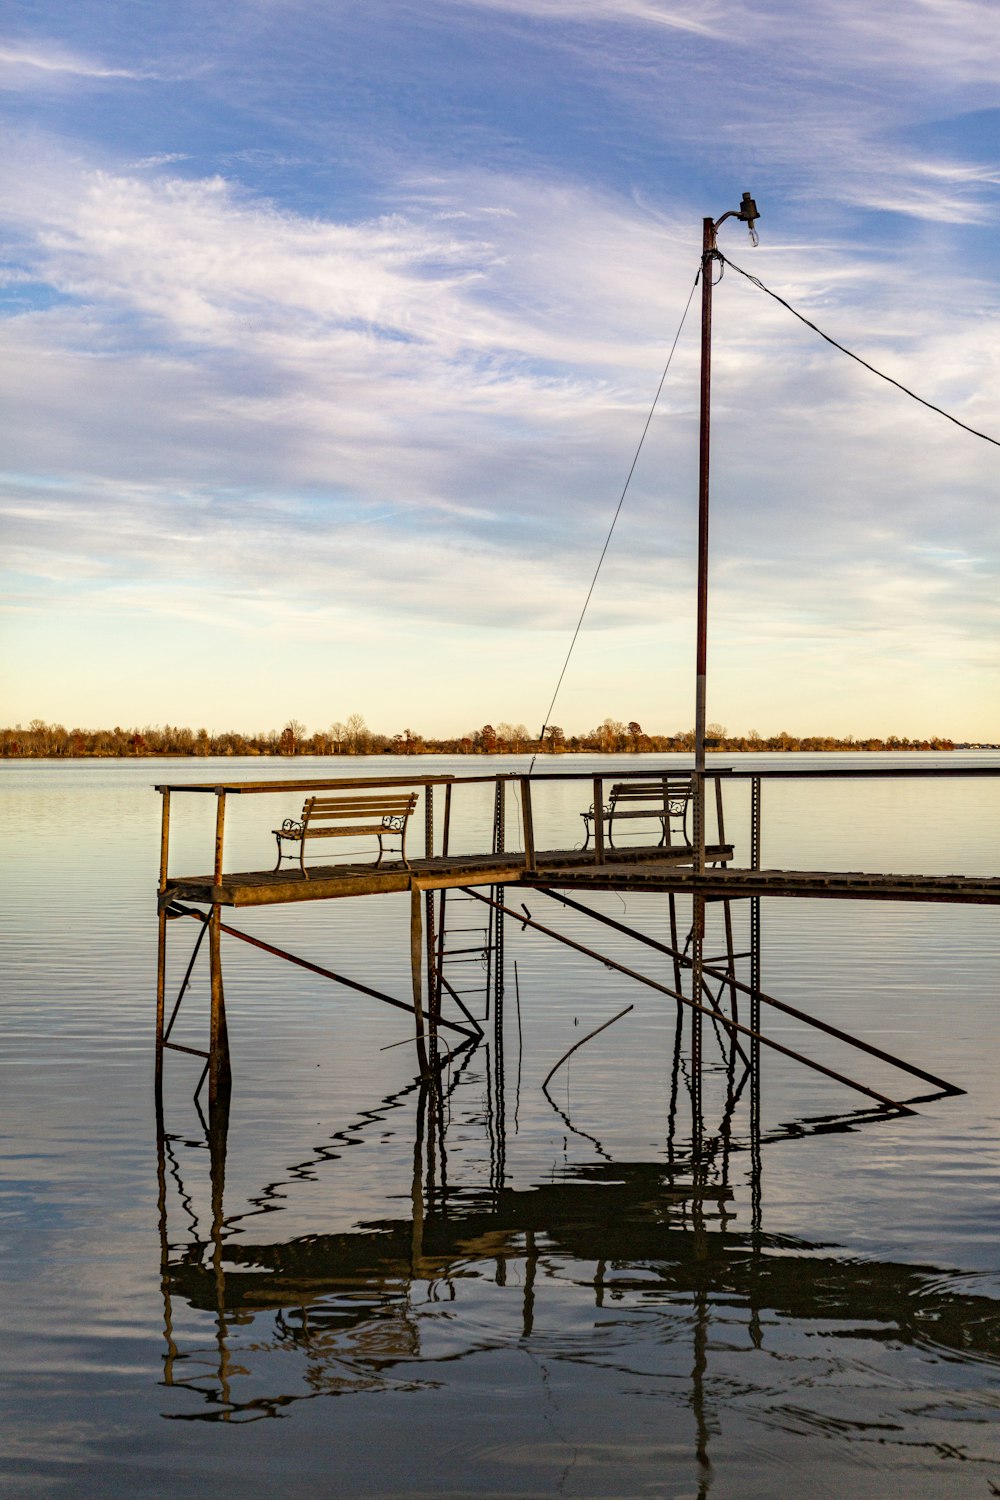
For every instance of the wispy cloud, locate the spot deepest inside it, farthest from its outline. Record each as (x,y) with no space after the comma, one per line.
(693,18)
(32,64)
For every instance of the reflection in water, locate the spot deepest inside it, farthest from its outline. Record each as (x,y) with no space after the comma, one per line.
(655,1249)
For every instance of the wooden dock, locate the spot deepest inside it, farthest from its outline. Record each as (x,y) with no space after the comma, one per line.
(697,864)
(631,869)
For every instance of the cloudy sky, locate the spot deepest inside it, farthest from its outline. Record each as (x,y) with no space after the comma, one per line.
(331,326)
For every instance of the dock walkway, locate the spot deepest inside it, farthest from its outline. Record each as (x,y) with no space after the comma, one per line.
(625,869)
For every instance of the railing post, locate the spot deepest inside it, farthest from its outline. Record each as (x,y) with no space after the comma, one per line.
(599,820)
(220,830)
(529,828)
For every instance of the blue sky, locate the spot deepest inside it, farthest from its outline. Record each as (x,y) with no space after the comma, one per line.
(329,330)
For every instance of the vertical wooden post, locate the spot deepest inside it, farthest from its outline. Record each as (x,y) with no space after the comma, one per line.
(416,969)
(529,827)
(220,829)
(599,820)
(219,1071)
(161,938)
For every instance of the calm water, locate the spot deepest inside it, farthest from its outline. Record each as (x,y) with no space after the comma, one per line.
(369,1288)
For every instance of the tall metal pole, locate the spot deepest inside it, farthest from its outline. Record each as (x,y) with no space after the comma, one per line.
(701,668)
(704,451)
(747,212)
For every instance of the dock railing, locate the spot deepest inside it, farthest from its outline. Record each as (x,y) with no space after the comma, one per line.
(521,784)
(526,788)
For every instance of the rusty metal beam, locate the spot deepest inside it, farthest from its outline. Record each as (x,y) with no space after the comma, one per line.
(730,979)
(704,1010)
(304,963)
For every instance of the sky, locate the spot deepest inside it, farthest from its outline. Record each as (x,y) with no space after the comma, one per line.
(330,330)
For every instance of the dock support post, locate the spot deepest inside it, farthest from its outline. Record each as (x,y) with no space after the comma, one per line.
(219,1070)
(161,942)
(417,971)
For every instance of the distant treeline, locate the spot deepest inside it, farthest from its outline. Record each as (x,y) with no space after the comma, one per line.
(355,738)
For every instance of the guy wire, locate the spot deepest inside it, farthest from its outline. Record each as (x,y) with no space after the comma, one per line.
(614,519)
(857,357)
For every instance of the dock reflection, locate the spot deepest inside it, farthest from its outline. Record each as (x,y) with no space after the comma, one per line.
(361,1310)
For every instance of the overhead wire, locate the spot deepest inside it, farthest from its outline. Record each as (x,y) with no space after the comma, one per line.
(756,281)
(723,261)
(614,518)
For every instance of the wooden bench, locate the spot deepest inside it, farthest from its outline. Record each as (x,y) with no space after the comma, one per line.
(667,801)
(374,812)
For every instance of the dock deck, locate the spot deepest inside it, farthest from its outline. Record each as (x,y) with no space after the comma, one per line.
(441,872)
(627,869)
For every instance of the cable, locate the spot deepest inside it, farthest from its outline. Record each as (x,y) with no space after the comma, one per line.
(851,355)
(614,519)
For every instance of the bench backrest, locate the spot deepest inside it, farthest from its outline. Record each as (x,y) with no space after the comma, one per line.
(650,791)
(360,806)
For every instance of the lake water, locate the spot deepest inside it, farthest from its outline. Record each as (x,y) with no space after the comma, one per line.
(372,1288)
